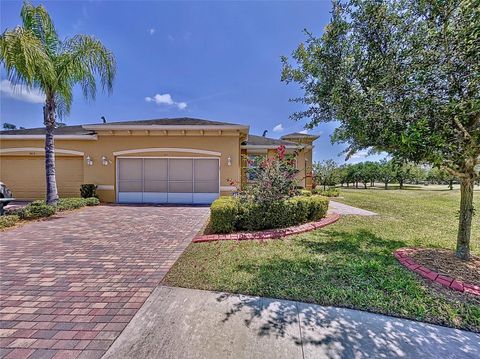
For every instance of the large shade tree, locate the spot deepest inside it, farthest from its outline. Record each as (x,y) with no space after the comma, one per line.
(33,55)
(401,77)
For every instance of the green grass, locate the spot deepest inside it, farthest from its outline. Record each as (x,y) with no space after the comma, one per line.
(348,264)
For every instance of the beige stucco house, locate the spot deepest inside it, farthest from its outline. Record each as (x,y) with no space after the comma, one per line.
(178,160)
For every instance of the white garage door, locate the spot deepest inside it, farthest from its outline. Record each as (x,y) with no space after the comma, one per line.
(168,180)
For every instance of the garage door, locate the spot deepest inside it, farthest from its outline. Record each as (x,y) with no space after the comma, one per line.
(25,176)
(168,180)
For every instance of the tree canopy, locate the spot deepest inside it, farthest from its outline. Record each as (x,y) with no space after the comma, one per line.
(401,77)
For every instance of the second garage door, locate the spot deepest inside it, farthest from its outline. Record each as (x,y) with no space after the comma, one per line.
(168,180)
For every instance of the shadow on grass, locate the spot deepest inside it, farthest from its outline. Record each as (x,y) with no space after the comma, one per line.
(348,269)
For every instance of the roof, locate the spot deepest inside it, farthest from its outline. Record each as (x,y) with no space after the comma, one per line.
(178,121)
(89,129)
(254,140)
(300,135)
(64,130)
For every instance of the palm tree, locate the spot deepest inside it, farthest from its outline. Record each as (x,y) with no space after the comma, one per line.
(33,55)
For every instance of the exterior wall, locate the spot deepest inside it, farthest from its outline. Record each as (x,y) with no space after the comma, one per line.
(226,143)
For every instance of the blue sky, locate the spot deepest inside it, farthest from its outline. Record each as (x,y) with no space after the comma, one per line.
(211,60)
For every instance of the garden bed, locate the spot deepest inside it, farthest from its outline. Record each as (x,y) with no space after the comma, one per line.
(441,266)
(38,210)
(270,233)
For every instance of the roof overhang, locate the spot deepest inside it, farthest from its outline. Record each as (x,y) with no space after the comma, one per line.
(107,127)
(57,137)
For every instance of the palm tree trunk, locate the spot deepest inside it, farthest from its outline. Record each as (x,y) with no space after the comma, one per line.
(49,121)
(466,214)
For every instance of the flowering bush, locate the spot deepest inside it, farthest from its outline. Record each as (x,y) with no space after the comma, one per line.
(273,178)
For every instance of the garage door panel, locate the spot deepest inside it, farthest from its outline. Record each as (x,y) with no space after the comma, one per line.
(206,187)
(130,186)
(181,187)
(156,186)
(25,176)
(180,170)
(131,169)
(156,169)
(173,180)
(206,170)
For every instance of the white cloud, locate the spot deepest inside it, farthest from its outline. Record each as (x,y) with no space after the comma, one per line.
(278,128)
(166,99)
(21,92)
(360,154)
(305,132)
(151,31)
(182,105)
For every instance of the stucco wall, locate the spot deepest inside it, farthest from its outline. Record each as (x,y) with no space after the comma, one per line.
(227,144)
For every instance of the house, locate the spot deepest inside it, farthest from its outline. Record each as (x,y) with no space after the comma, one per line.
(172,160)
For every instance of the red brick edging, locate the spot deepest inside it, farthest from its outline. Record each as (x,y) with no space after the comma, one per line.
(270,233)
(402,255)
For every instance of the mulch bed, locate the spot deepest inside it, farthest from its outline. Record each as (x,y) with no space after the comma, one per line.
(441,266)
(446,263)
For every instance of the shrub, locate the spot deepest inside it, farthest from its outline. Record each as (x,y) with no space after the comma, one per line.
(318,208)
(223,214)
(281,214)
(36,209)
(8,221)
(88,190)
(305,192)
(330,192)
(66,204)
(91,201)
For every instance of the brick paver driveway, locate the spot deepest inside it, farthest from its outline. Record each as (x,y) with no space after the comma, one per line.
(70,284)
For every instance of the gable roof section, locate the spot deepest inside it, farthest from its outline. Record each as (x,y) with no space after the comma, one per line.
(299,135)
(167,123)
(65,130)
(254,141)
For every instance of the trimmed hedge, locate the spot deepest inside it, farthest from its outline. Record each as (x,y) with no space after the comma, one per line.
(88,190)
(228,214)
(36,209)
(223,214)
(330,192)
(39,209)
(8,220)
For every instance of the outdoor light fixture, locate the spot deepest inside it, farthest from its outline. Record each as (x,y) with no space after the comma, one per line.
(105,161)
(89,161)
(229,161)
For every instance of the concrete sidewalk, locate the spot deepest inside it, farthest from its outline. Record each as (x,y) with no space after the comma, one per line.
(187,323)
(345,209)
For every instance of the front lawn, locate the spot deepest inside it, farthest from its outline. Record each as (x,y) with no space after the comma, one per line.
(348,264)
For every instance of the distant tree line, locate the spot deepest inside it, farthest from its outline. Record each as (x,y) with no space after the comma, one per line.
(365,174)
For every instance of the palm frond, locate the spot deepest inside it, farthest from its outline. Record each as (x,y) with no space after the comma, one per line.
(82,59)
(38,21)
(25,58)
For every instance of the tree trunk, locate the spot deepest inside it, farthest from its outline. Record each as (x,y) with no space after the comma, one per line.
(450,185)
(49,121)
(386,185)
(324,186)
(401,183)
(365,185)
(465,222)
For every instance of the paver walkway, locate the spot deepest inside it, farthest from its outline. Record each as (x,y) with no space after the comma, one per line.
(70,284)
(345,209)
(188,323)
